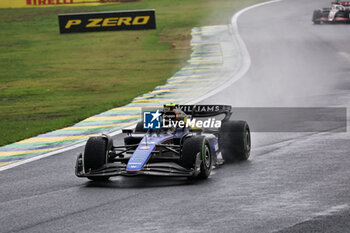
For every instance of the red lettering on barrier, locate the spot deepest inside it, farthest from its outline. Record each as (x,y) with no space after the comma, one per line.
(49,2)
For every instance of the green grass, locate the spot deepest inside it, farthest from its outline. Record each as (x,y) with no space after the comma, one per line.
(49,81)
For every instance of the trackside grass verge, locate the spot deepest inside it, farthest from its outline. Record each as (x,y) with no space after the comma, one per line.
(49,81)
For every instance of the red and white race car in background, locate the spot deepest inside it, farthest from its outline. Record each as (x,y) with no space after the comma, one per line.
(338,13)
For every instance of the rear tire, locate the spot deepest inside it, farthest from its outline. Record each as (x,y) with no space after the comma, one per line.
(191,147)
(95,156)
(234,141)
(347,15)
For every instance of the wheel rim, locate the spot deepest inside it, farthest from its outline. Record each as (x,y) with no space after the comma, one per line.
(207,156)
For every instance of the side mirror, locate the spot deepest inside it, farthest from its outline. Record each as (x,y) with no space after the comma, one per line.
(127,131)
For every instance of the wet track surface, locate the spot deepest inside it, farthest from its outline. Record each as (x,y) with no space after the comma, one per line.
(294,182)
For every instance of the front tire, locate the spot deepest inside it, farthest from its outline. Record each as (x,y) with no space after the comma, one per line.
(234,141)
(317,14)
(95,156)
(190,149)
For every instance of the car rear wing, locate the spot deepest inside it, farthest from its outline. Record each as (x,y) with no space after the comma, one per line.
(206,110)
(342,3)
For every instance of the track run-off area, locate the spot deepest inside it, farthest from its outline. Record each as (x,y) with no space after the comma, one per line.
(214,62)
(293,182)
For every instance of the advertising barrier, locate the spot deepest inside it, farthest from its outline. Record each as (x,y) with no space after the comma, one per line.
(49,3)
(107,21)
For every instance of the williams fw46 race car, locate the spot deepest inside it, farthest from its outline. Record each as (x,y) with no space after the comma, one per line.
(175,147)
(338,13)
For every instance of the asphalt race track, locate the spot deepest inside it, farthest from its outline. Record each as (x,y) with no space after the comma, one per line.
(294,182)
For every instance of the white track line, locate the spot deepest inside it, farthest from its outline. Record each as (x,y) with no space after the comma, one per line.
(72,147)
(242,71)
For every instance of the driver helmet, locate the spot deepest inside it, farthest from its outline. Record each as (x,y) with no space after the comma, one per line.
(338,6)
(172,113)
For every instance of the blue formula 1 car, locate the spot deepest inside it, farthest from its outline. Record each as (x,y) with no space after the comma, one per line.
(182,146)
